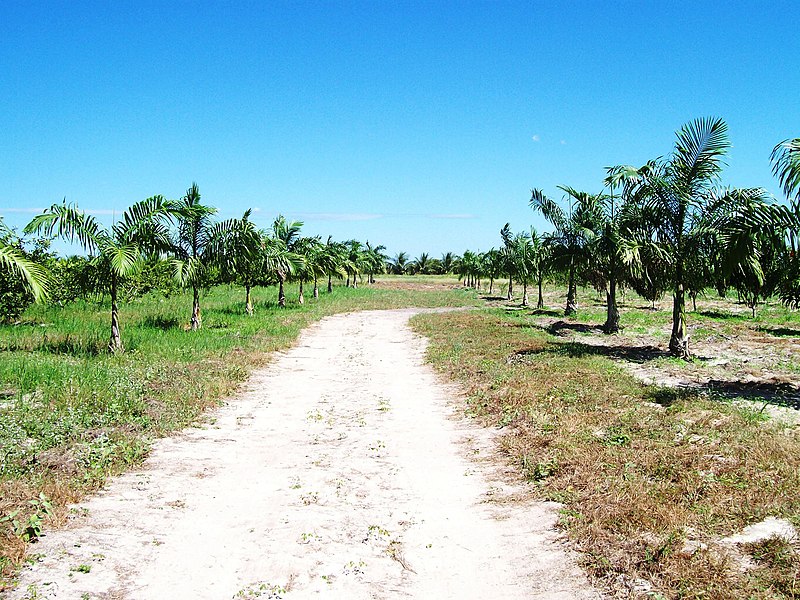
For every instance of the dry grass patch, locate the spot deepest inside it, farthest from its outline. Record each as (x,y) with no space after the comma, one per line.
(650,479)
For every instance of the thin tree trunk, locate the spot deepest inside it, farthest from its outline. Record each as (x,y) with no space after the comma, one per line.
(693,296)
(491,285)
(355,283)
(248,301)
(612,314)
(115,343)
(281,293)
(330,284)
(301,299)
(572,293)
(316,288)
(524,292)
(679,340)
(540,302)
(197,319)
(510,295)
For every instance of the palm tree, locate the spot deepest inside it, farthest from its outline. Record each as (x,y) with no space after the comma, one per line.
(375,261)
(679,192)
(572,234)
(614,249)
(398,264)
(493,266)
(288,233)
(13,259)
(309,248)
(198,245)
(539,259)
(334,258)
(448,262)
(119,251)
(423,263)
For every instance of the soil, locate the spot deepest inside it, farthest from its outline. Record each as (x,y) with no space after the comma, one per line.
(742,361)
(342,470)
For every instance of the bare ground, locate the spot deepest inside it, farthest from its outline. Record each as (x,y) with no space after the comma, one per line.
(340,471)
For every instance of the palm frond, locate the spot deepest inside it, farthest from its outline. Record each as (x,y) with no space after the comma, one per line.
(67,222)
(785,159)
(33,274)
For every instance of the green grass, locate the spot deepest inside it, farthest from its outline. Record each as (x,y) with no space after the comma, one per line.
(71,414)
(641,470)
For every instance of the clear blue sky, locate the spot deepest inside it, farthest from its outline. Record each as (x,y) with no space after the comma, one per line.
(419,125)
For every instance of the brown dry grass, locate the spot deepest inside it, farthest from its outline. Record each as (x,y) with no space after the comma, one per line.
(650,479)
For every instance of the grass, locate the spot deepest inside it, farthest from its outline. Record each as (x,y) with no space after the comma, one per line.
(649,477)
(71,414)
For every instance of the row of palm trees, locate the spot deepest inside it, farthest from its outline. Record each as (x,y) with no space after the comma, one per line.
(199,249)
(666,226)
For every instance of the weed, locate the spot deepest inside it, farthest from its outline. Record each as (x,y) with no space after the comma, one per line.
(81,569)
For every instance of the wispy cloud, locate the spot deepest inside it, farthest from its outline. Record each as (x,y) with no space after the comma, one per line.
(315,216)
(536,138)
(563,142)
(99,212)
(452,216)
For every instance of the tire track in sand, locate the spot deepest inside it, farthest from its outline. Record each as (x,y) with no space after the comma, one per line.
(339,472)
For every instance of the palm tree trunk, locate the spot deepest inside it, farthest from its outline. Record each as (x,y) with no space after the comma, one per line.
(491,285)
(115,343)
(524,292)
(301,299)
(197,319)
(355,283)
(248,301)
(572,293)
(679,340)
(330,284)
(612,314)
(281,293)
(540,302)
(510,295)
(316,288)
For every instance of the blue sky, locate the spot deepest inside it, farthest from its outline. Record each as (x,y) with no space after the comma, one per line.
(419,125)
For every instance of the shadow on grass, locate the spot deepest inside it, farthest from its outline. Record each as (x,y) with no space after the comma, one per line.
(779,331)
(73,346)
(559,326)
(547,312)
(636,354)
(765,393)
(161,322)
(718,314)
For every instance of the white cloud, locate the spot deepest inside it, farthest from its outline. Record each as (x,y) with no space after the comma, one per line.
(452,216)
(563,143)
(338,216)
(536,138)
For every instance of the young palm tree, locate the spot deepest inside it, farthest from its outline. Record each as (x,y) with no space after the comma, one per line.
(334,259)
(375,261)
(309,248)
(448,262)
(13,259)
(197,245)
(573,232)
(117,252)
(614,249)
(288,233)
(679,192)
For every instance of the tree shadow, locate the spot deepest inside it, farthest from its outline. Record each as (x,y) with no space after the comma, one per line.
(768,392)
(547,312)
(559,326)
(779,331)
(718,314)
(494,298)
(161,322)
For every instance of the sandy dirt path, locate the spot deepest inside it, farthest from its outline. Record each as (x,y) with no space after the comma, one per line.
(339,472)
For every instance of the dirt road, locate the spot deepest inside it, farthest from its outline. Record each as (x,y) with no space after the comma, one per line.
(339,472)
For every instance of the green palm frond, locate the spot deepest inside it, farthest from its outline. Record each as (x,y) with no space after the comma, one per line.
(549,209)
(32,273)
(697,161)
(67,222)
(785,159)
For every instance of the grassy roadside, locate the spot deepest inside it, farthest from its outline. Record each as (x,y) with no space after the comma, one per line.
(650,479)
(71,415)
